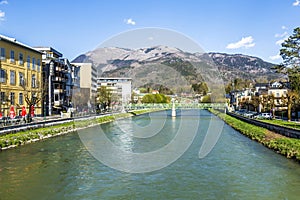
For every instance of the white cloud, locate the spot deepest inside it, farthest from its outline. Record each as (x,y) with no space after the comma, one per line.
(246,42)
(129,21)
(276,57)
(279,42)
(3,2)
(277,35)
(282,36)
(296,3)
(2,15)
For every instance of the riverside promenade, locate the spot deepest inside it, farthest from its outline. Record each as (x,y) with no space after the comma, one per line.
(40,122)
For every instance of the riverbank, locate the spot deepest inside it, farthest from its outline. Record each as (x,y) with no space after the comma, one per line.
(13,140)
(288,147)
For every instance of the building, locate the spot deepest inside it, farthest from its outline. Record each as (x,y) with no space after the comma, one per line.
(54,79)
(58,75)
(85,99)
(119,86)
(20,77)
(238,97)
(279,92)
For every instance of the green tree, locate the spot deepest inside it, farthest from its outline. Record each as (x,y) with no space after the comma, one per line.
(291,98)
(272,104)
(200,88)
(155,98)
(255,102)
(105,96)
(290,53)
(206,99)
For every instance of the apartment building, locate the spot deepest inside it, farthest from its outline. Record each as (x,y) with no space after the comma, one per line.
(85,99)
(121,87)
(20,77)
(60,77)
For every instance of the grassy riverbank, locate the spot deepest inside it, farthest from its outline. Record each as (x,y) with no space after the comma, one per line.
(25,137)
(288,147)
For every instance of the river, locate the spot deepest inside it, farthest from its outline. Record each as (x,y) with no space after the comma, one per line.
(63,168)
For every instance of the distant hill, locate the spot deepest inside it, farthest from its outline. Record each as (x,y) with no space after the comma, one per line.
(113,61)
(243,66)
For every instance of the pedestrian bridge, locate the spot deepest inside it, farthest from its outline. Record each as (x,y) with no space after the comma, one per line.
(177,106)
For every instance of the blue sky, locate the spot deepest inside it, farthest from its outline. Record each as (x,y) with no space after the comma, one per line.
(253,27)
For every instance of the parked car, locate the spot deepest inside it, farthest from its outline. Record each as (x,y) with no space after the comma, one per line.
(264,116)
(249,114)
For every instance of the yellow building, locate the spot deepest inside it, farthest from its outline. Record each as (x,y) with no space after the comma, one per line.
(20,77)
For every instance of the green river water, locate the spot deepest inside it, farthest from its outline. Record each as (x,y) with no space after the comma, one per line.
(62,168)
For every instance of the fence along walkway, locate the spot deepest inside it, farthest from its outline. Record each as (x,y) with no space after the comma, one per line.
(289,132)
(177,106)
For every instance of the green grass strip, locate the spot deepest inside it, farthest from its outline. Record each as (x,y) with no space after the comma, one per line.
(289,147)
(28,136)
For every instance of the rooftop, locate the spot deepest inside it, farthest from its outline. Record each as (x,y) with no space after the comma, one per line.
(14,41)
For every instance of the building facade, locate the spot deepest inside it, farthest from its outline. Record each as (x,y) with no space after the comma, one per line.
(59,77)
(121,87)
(85,99)
(20,77)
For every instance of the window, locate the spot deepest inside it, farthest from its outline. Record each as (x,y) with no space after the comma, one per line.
(12,56)
(12,98)
(2,53)
(2,76)
(38,65)
(20,59)
(21,101)
(277,94)
(33,63)
(12,77)
(33,81)
(28,62)
(21,79)
(56,97)
(2,97)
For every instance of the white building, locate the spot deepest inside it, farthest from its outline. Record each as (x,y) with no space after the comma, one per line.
(88,83)
(121,86)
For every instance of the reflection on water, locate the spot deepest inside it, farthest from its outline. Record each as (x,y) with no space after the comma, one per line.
(61,168)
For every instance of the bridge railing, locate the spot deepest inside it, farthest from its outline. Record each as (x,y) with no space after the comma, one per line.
(177,106)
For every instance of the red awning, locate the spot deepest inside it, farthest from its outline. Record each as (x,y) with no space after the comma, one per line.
(23,114)
(12,113)
(32,111)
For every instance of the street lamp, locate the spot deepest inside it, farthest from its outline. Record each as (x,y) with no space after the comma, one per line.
(44,110)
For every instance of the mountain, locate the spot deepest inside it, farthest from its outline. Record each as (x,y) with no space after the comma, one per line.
(113,61)
(243,66)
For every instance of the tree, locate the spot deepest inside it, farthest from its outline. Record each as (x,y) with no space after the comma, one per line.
(156,98)
(206,99)
(104,97)
(255,102)
(32,99)
(200,88)
(290,53)
(291,98)
(272,104)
